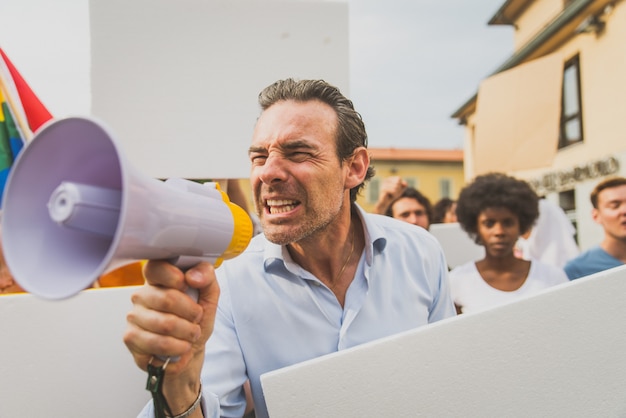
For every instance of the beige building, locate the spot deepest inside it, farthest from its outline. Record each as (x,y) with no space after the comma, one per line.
(552,113)
(435,173)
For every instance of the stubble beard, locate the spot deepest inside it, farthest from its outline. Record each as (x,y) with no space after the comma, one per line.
(318,220)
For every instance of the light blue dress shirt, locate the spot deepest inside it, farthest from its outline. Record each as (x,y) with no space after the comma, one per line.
(272,313)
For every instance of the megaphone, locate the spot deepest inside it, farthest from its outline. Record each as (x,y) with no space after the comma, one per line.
(74,209)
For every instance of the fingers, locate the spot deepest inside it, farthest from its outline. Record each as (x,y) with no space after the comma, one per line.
(202,277)
(163,274)
(164,320)
(179,322)
(394,186)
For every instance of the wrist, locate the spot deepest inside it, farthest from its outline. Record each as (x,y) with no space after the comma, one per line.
(382,205)
(182,396)
(191,410)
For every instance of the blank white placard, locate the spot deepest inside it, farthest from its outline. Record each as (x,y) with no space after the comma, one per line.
(177,81)
(557,354)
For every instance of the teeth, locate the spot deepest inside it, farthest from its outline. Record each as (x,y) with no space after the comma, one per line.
(281,206)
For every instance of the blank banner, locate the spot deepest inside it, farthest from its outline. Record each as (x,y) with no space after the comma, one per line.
(177,81)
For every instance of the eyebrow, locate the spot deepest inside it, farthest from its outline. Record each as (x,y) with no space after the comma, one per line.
(259,150)
(614,201)
(290,145)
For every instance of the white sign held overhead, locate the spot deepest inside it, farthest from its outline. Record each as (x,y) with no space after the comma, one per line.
(178,80)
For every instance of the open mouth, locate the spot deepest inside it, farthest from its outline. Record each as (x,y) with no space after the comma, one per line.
(280,206)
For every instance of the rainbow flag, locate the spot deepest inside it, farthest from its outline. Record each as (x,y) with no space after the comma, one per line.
(18,102)
(11,142)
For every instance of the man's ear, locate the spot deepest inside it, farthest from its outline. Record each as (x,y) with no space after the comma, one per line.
(595,215)
(357,166)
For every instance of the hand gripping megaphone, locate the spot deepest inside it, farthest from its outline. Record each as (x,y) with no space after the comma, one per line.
(74,209)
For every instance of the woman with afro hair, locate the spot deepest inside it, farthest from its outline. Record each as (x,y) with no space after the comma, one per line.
(495,210)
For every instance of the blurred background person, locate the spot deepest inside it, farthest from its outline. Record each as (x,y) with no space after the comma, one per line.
(412,207)
(391,188)
(495,210)
(405,203)
(127,275)
(7,282)
(608,199)
(444,211)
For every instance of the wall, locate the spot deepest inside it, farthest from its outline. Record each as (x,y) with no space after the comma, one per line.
(537,15)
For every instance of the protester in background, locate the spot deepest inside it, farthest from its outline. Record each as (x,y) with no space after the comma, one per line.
(608,199)
(495,210)
(7,282)
(412,207)
(391,189)
(402,202)
(323,276)
(551,239)
(238,196)
(127,275)
(444,211)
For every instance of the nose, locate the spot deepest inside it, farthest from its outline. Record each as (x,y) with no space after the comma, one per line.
(498,229)
(273,169)
(413,219)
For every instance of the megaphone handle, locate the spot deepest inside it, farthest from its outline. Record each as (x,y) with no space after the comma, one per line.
(193,294)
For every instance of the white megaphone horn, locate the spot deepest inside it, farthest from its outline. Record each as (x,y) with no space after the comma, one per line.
(74,209)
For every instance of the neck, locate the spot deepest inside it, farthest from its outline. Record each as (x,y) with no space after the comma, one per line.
(334,260)
(615,247)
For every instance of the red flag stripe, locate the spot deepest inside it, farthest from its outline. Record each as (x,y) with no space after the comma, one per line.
(36,113)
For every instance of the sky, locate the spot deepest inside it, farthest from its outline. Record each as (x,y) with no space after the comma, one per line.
(412,62)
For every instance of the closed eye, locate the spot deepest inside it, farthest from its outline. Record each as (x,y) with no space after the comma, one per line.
(298,156)
(258,159)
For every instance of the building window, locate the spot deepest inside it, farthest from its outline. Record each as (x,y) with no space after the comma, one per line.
(373,190)
(445,186)
(567,202)
(571,130)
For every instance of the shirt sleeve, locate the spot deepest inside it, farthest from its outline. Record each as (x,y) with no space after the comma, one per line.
(443,306)
(571,270)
